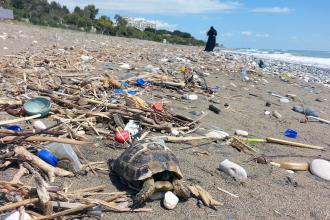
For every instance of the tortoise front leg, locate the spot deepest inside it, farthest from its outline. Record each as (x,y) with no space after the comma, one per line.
(180,189)
(147,190)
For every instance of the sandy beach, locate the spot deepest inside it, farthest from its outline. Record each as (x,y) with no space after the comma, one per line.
(269,192)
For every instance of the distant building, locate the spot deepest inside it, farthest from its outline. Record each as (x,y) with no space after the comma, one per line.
(6,14)
(139,23)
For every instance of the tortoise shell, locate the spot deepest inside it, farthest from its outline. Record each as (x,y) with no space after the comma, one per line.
(142,161)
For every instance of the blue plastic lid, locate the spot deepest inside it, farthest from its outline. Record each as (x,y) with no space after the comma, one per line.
(140,82)
(13,127)
(48,157)
(291,133)
(132,92)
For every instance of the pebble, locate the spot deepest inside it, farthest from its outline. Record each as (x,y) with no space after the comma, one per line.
(86,58)
(125,66)
(190,97)
(196,113)
(267,112)
(217,134)
(284,100)
(290,171)
(81,133)
(39,125)
(276,114)
(170,200)
(320,168)
(241,133)
(233,170)
(175,132)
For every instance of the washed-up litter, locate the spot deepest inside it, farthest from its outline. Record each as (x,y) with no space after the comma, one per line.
(90,99)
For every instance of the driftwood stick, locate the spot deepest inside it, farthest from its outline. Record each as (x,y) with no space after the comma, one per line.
(44,138)
(74,210)
(51,171)
(15,205)
(294,144)
(28,132)
(42,192)
(319,119)
(16,120)
(203,195)
(21,172)
(91,189)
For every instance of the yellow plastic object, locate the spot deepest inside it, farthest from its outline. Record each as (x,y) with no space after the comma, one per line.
(255,140)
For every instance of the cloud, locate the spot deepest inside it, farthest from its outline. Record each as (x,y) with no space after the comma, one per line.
(247,33)
(157,6)
(279,10)
(263,35)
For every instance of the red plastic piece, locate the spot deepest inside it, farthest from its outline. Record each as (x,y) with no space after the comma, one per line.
(122,136)
(158,107)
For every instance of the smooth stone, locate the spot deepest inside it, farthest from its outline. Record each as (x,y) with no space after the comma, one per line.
(81,133)
(190,97)
(86,58)
(320,168)
(267,112)
(175,132)
(39,125)
(242,133)
(196,113)
(170,200)
(233,170)
(125,66)
(284,100)
(217,134)
(276,114)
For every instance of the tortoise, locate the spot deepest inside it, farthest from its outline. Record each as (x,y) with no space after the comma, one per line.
(150,167)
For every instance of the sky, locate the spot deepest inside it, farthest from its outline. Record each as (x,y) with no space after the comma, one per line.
(261,24)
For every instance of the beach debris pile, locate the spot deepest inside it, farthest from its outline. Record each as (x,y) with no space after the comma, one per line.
(59,100)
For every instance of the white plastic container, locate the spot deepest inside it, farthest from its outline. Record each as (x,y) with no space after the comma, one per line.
(65,152)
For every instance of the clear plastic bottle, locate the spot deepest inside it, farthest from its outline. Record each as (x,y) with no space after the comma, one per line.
(65,151)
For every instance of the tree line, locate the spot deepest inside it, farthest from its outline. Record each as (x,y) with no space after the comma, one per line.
(41,12)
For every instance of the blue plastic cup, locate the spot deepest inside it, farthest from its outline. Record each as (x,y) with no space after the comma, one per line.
(291,133)
(48,157)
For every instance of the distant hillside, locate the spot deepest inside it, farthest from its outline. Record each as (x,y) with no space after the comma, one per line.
(41,12)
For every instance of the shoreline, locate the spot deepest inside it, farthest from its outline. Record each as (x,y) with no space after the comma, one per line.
(306,72)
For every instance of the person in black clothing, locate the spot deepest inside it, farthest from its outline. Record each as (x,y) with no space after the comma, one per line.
(212,33)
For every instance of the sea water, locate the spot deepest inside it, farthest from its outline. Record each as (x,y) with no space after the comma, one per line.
(319,59)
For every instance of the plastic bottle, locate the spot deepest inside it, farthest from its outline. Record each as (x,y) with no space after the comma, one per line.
(48,157)
(65,151)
